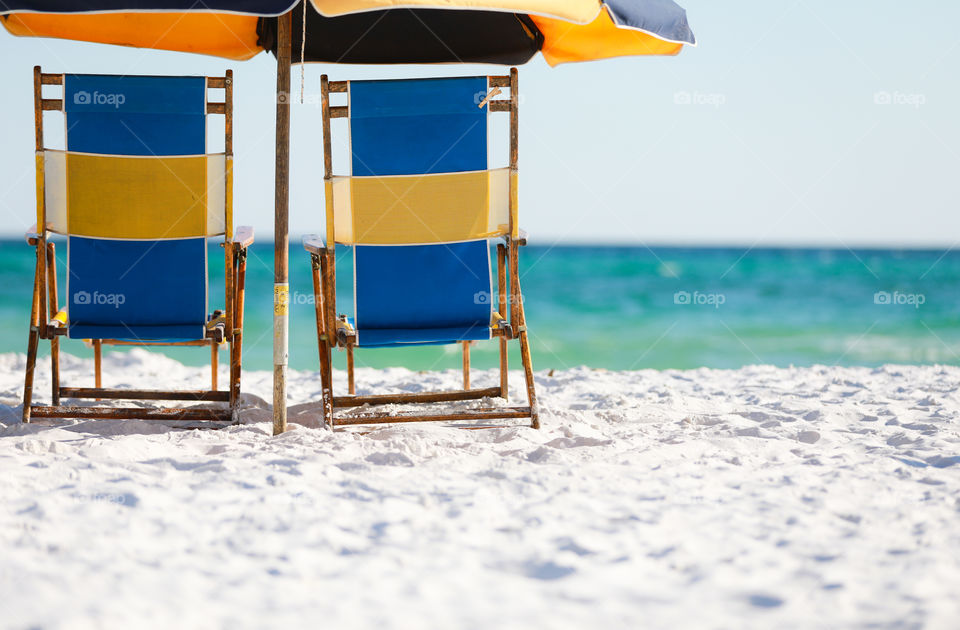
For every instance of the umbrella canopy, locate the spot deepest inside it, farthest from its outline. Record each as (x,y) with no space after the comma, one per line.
(369,31)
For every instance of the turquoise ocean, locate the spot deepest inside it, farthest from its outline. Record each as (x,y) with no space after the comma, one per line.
(624,308)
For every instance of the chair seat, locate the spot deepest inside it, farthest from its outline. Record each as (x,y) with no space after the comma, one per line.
(164,333)
(398,337)
(452,305)
(136,289)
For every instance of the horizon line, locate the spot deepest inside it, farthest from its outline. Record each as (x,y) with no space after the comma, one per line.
(669,244)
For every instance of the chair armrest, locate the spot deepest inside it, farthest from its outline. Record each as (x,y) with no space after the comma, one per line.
(32,236)
(521,238)
(59,320)
(313,244)
(243,236)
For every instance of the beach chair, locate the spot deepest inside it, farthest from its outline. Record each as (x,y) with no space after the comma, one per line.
(419,210)
(137,196)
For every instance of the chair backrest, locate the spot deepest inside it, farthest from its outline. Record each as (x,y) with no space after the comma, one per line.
(137,196)
(418,207)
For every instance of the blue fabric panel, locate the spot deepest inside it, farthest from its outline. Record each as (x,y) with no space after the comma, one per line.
(137,289)
(178,332)
(417,126)
(663,18)
(407,292)
(253,7)
(135,115)
(393,337)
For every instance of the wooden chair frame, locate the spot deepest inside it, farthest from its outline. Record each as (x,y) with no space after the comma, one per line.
(512,319)
(44,323)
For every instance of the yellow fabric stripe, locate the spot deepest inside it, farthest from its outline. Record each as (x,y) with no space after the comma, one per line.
(339,214)
(134,197)
(220,195)
(221,34)
(564,42)
(54,190)
(330,199)
(411,209)
(41,198)
(580,11)
(514,203)
(499,219)
(105,185)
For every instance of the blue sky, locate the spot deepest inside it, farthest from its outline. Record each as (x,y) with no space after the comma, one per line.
(802,122)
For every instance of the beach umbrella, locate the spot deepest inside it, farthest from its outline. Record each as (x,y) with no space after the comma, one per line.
(369,31)
(356,31)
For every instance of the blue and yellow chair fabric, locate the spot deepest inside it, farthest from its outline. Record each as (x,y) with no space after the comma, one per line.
(137,197)
(419,209)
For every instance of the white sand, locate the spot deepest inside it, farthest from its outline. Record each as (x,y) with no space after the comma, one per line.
(758,497)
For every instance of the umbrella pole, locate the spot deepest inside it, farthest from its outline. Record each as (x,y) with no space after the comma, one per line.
(281,288)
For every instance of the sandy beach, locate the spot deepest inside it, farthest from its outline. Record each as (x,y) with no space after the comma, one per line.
(758,497)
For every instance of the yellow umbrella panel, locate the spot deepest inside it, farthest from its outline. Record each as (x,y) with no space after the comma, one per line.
(222,34)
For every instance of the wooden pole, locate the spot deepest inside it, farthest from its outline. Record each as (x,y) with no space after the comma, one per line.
(330,274)
(447,416)
(514,196)
(97,362)
(319,263)
(528,366)
(32,341)
(329,260)
(236,346)
(131,413)
(419,397)
(351,381)
(281,288)
(54,309)
(41,197)
(502,291)
(231,324)
(214,363)
(466,365)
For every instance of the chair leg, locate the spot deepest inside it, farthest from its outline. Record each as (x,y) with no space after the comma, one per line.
(527,361)
(236,343)
(502,294)
(55,370)
(504,386)
(466,365)
(33,341)
(351,382)
(236,351)
(528,373)
(97,360)
(326,383)
(54,309)
(214,363)
(504,372)
(319,265)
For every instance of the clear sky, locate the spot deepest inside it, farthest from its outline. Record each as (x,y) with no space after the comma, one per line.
(809,122)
